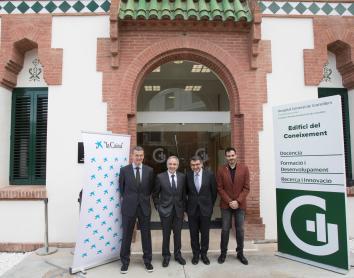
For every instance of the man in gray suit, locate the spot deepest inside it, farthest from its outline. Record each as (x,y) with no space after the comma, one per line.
(136,183)
(169,198)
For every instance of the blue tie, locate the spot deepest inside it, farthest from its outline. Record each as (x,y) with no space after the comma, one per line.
(196,182)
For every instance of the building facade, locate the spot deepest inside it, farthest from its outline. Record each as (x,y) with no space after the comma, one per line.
(181,77)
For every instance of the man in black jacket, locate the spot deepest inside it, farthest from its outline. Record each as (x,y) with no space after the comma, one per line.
(201,193)
(169,198)
(136,183)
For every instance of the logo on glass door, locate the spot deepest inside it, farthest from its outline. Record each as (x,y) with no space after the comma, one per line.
(159,155)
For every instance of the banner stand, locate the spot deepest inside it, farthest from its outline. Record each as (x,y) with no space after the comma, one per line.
(311,263)
(46,250)
(99,236)
(311,196)
(89,266)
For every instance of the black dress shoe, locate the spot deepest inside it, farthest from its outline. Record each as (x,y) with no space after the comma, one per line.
(195,260)
(165,262)
(124,269)
(242,258)
(205,259)
(149,267)
(180,260)
(221,259)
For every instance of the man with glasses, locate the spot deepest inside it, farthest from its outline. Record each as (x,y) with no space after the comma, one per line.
(201,193)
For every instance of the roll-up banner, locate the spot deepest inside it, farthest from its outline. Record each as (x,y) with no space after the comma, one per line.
(100,224)
(311,183)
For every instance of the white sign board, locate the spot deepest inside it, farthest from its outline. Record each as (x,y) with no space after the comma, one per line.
(100,228)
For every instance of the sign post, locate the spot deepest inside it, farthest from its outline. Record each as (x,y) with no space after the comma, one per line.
(311,183)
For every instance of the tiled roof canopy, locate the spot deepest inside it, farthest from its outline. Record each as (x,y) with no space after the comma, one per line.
(222,10)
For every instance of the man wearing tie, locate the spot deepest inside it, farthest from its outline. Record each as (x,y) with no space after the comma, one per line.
(201,193)
(169,198)
(136,183)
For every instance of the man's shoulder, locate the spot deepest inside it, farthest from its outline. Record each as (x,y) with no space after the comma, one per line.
(126,167)
(208,171)
(147,167)
(222,168)
(189,173)
(241,166)
(161,174)
(180,174)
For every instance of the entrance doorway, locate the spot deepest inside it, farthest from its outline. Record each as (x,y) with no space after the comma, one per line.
(183,110)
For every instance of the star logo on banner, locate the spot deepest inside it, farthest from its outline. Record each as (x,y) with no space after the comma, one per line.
(99,145)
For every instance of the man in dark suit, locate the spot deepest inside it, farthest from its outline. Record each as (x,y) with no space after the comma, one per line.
(136,183)
(233,182)
(169,198)
(201,193)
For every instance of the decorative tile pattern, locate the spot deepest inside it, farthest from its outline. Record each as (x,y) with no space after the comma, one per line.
(103,6)
(54,7)
(306,8)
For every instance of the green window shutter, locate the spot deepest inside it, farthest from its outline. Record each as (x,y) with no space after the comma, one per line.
(29,136)
(20,138)
(40,139)
(343,93)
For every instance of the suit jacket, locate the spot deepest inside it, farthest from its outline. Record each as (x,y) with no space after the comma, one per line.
(236,190)
(206,197)
(165,198)
(132,195)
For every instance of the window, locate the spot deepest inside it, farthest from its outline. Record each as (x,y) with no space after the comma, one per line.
(29,136)
(326,92)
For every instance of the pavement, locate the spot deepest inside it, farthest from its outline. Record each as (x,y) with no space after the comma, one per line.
(262,258)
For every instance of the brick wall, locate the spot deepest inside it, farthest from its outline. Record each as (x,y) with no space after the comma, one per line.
(20,33)
(335,34)
(224,49)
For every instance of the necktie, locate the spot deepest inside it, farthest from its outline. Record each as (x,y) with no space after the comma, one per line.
(174,187)
(196,182)
(137,176)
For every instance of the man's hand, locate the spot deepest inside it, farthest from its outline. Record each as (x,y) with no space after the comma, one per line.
(233,204)
(185,218)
